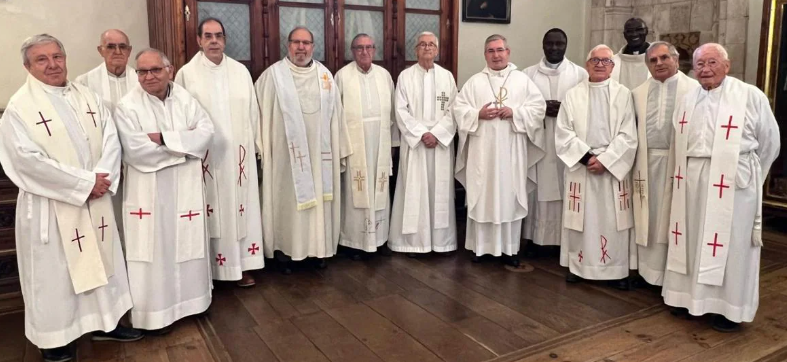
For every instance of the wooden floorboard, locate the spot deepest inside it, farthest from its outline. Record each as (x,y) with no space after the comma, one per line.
(436,308)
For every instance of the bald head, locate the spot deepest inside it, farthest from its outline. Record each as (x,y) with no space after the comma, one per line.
(113,34)
(115,48)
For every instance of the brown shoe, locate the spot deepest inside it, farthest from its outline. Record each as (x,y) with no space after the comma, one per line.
(246,280)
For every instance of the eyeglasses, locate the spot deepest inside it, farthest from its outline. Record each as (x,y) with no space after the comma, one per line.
(711,63)
(361,48)
(302,42)
(211,36)
(605,61)
(121,47)
(424,45)
(154,71)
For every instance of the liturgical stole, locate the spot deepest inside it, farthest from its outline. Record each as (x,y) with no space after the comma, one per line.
(85,230)
(295,129)
(353,111)
(641,175)
(717,226)
(98,79)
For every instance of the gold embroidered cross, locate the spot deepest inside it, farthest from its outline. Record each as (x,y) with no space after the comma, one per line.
(326,81)
(359,179)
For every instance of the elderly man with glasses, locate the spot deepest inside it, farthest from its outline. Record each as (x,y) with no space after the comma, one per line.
(366,91)
(596,137)
(59,145)
(726,139)
(165,134)
(424,217)
(114,77)
(302,141)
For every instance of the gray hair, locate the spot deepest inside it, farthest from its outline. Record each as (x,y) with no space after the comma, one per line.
(673,52)
(38,40)
(494,37)
(427,33)
(161,54)
(716,46)
(359,36)
(289,36)
(599,47)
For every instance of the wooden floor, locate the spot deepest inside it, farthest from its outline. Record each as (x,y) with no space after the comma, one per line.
(443,309)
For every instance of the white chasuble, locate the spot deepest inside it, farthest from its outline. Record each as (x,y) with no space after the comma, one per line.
(654,104)
(72,273)
(630,69)
(545,217)
(725,141)
(229,168)
(368,106)
(495,156)
(303,140)
(597,118)
(423,215)
(164,205)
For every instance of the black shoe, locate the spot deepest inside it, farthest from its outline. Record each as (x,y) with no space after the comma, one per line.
(384,250)
(445,254)
(356,256)
(158,332)
(622,284)
(637,281)
(60,354)
(679,312)
(119,334)
(412,255)
(573,278)
(285,268)
(320,263)
(531,250)
(476,259)
(511,260)
(724,325)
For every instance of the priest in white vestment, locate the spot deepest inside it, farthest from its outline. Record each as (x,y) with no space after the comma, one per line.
(59,147)
(654,105)
(303,140)
(112,80)
(499,115)
(596,137)
(726,139)
(367,97)
(554,75)
(224,88)
(165,133)
(631,69)
(423,216)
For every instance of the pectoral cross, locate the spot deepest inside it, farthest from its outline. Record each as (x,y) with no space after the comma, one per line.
(501,96)
(442,98)
(326,81)
(359,179)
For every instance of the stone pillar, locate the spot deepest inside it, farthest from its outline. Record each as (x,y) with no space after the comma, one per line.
(735,27)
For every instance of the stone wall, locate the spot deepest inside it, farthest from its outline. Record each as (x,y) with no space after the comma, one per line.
(721,21)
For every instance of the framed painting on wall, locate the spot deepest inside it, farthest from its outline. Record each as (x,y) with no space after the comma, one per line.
(487,11)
